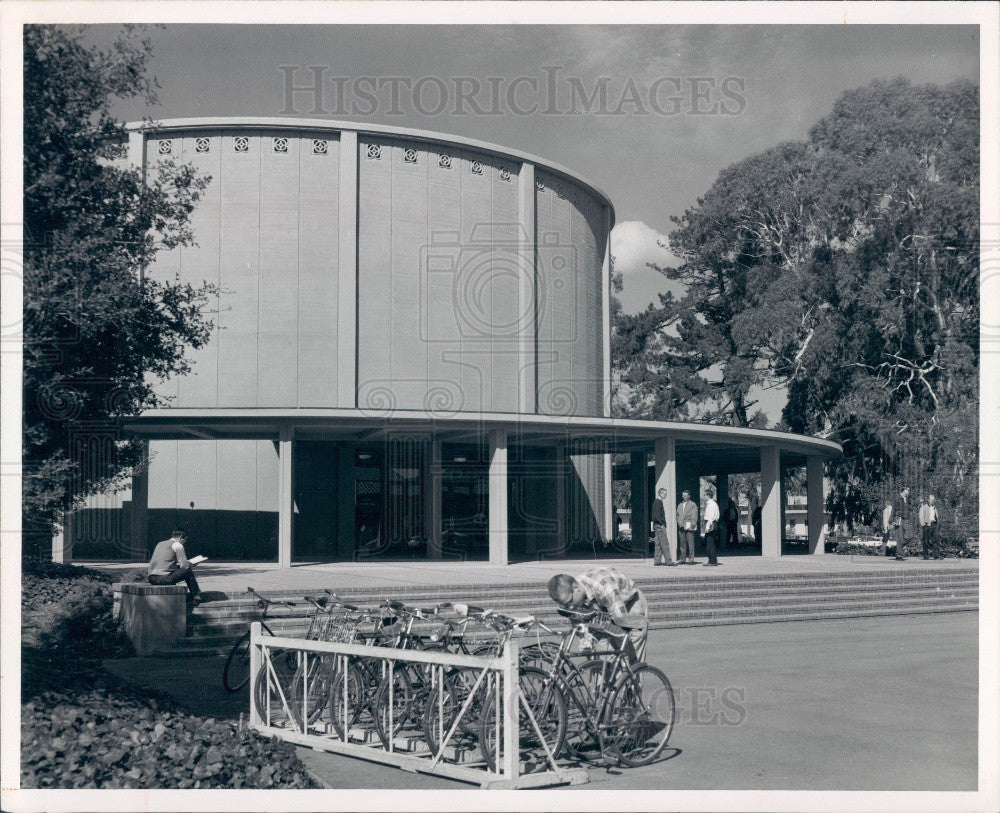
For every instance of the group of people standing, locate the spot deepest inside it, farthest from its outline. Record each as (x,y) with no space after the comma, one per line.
(714,521)
(898,524)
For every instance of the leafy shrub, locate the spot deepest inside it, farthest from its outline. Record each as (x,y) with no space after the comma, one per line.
(110,736)
(66,613)
(81,728)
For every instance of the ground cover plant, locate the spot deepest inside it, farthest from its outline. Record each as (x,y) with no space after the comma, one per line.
(83,728)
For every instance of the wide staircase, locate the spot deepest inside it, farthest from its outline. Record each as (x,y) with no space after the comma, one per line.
(674,603)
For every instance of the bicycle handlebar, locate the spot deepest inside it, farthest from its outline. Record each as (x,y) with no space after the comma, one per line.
(265,602)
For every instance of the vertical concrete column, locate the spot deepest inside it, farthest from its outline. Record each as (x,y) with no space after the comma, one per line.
(347,273)
(346,498)
(770,498)
(666,478)
(784,501)
(499,522)
(62,540)
(638,474)
(139,519)
(606,315)
(722,489)
(527,380)
(286,507)
(722,498)
(815,503)
(609,502)
(432,499)
(560,473)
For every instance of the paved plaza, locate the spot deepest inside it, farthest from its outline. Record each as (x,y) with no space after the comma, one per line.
(856,704)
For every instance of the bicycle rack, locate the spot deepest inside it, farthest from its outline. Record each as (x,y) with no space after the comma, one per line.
(498,674)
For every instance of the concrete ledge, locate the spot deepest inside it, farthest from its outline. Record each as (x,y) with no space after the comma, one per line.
(154,616)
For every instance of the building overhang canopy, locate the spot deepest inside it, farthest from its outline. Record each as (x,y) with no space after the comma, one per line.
(724,448)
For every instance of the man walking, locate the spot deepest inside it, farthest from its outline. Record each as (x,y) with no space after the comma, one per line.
(687,523)
(756,521)
(711,527)
(663,553)
(928,519)
(903,520)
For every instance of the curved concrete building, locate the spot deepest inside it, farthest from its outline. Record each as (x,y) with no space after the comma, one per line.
(411,356)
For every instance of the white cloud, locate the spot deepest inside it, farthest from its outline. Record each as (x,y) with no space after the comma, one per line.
(634,244)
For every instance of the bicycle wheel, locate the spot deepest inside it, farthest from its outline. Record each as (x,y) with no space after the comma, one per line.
(266,695)
(441,707)
(348,703)
(397,704)
(640,717)
(583,690)
(236,672)
(548,707)
(316,679)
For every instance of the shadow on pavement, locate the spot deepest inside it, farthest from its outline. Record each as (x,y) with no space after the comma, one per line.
(194,683)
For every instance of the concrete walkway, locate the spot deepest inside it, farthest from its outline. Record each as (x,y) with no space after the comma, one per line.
(233,578)
(857,704)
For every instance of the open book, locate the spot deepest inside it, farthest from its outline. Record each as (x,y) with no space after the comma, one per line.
(197,560)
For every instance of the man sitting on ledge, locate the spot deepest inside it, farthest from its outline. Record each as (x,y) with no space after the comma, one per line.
(169,564)
(610,591)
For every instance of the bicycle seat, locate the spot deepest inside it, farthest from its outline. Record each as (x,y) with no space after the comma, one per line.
(465,610)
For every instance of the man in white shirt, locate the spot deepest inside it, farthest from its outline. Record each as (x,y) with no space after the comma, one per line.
(928,519)
(711,517)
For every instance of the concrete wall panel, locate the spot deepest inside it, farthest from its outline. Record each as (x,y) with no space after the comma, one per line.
(319,240)
(239,271)
(277,311)
(200,262)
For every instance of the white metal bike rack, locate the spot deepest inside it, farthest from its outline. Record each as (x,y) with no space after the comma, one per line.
(499,674)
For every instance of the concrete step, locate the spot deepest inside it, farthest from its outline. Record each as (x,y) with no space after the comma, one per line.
(711,608)
(206,623)
(675,601)
(811,616)
(493,594)
(420,593)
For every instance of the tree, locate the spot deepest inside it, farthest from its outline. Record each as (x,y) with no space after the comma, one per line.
(844,269)
(98,334)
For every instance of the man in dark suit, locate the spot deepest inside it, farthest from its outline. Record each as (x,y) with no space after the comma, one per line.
(663,553)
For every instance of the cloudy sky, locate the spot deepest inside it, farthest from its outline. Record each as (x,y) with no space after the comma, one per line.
(679,103)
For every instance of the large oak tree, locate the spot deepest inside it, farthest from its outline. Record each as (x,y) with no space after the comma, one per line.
(97,334)
(845,269)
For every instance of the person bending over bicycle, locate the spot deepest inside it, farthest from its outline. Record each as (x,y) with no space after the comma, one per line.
(609,591)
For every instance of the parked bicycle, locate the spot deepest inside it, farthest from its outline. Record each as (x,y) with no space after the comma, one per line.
(236,672)
(607,706)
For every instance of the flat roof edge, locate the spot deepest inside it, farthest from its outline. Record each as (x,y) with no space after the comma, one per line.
(374,129)
(622,427)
